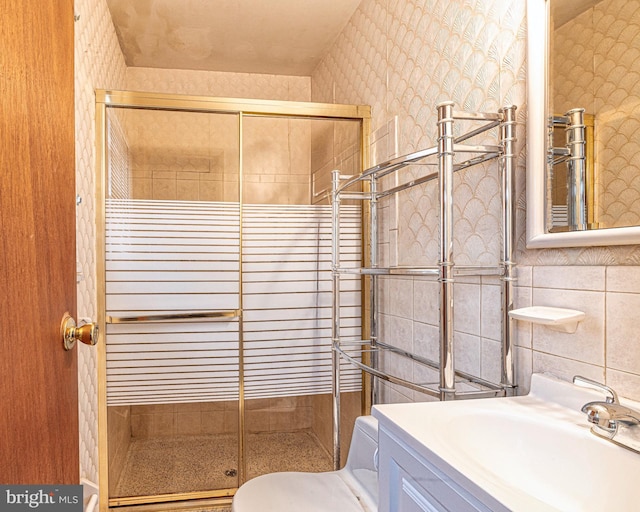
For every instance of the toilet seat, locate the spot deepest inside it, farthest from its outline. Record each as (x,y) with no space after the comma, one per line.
(351,489)
(297,492)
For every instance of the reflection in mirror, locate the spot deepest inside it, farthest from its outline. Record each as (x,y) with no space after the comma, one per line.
(570,193)
(593,123)
(605,88)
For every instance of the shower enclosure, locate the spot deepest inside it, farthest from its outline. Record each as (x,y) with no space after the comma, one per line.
(215,290)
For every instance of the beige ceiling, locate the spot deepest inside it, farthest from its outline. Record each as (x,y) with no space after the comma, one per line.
(286,37)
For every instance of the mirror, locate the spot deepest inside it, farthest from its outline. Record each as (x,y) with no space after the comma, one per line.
(583,154)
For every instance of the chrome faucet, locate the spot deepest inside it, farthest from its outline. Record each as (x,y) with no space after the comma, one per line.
(606,416)
(609,418)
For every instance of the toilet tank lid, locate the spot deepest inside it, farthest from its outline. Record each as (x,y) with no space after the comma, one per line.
(368,424)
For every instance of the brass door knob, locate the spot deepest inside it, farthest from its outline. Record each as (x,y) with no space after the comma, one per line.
(87,333)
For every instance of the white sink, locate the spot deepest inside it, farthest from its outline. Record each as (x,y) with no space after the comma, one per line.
(532,453)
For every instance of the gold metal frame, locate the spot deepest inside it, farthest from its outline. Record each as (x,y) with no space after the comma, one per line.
(232,105)
(242,107)
(242,445)
(220,495)
(213,504)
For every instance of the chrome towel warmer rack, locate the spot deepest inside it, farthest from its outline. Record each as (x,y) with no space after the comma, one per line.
(452,384)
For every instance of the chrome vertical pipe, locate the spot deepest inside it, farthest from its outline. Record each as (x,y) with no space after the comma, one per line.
(576,170)
(445,180)
(335,315)
(373,292)
(507,136)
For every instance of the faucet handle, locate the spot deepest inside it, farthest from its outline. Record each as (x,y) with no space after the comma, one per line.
(584,382)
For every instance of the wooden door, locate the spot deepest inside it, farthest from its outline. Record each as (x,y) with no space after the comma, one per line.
(38,378)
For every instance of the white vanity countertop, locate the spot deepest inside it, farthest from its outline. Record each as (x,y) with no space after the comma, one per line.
(532,453)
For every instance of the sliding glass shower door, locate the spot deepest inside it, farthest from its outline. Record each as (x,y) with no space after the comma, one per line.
(172,279)
(286,273)
(217,292)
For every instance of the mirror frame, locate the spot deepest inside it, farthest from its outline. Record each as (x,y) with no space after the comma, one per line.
(537,107)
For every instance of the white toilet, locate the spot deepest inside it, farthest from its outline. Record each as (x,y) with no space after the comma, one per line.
(351,489)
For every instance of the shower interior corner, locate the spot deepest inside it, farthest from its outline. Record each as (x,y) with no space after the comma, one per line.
(216,212)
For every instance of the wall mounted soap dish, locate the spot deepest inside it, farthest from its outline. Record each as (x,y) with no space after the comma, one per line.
(558,319)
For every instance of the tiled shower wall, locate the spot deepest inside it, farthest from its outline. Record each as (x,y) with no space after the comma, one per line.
(189,156)
(334,145)
(402,58)
(277,164)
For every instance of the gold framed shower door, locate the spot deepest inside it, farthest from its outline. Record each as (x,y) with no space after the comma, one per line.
(189,103)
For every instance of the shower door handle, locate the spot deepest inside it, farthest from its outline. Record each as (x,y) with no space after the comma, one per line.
(87,332)
(186,316)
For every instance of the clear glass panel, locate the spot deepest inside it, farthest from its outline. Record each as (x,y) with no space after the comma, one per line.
(172,248)
(287,166)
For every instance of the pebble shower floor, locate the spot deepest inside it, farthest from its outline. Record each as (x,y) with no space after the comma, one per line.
(194,463)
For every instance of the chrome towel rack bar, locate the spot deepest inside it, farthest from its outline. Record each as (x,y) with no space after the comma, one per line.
(460,270)
(395,164)
(482,387)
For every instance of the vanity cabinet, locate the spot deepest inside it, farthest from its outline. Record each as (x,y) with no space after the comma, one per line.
(413,479)
(530,453)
